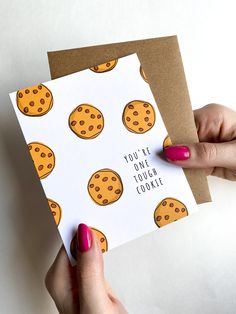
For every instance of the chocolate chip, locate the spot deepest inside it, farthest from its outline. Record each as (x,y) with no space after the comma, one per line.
(145,105)
(128,119)
(167,217)
(49,154)
(149,124)
(54,213)
(99,126)
(105,179)
(49,166)
(30,147)
(113,178)
(91,185)
(83,132)
(171,204)
(103,251)
(86,110)
(90,127)
(31,103)
(27,91)
(176,210)
(110,188)
(40,109)
(20,95)
(47,95)
(37,149)
(105,201)
(140,129)
(118,191)
(73,123)
(40,167)
(35,91)
(97,176)
(158,218)
(43,155)
(164,203)
(95,68)
(53,205)
(92,116)
(97,188)
(26,109)
(99,116)
(80,109)
(40,87)
(148,111)
(81,122)
(146,119)
(135,123)
(99,196)
(42,101)
(130,106)
(135,113)
(102,240)
(108,64)
(182,210)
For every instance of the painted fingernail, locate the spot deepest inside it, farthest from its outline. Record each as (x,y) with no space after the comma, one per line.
(83,238)
(175,153)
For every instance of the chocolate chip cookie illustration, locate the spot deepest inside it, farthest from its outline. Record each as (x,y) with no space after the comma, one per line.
(56,210)
(138,116)
(169,210)
(143,74)
(86,121)
(43,158)
(34,101)
(104,67)
(167,142)
(102,239)
(105,187)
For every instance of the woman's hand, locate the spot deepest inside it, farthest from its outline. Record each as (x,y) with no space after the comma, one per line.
(82,289)
(216,152)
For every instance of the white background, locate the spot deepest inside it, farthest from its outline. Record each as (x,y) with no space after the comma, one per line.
(187,267)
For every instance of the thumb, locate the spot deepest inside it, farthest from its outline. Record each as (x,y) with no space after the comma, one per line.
(90,275)
(203,155)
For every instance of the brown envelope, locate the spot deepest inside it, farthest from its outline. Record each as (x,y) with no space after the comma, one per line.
(162,63)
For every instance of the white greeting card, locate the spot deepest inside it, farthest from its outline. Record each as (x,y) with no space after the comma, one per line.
(95,138)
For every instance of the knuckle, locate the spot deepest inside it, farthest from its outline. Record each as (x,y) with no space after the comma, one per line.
(207,152)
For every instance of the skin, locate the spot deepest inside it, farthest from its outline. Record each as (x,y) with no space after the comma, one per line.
(83,289)
(216,152)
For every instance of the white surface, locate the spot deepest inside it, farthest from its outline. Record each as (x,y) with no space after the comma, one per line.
(188,267)
(78,159)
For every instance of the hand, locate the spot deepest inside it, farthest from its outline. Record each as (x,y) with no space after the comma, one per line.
(82,289)
(216,152)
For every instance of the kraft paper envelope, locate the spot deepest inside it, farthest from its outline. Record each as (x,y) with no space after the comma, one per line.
(162,64)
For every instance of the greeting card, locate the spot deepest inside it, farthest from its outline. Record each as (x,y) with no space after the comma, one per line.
(96,138)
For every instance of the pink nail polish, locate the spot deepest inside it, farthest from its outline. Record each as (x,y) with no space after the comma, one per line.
(175,153)
(83,238)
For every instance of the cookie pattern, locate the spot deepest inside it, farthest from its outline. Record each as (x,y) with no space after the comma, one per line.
(167,142)
(141,70)
(43,158)
(102,239)
(86,121)
(138,116)
(34,101)
(104,67)
(105,187)
(169,210)
(56,210)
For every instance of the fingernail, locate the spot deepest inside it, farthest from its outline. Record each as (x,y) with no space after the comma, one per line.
(83,238)
(175,153)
